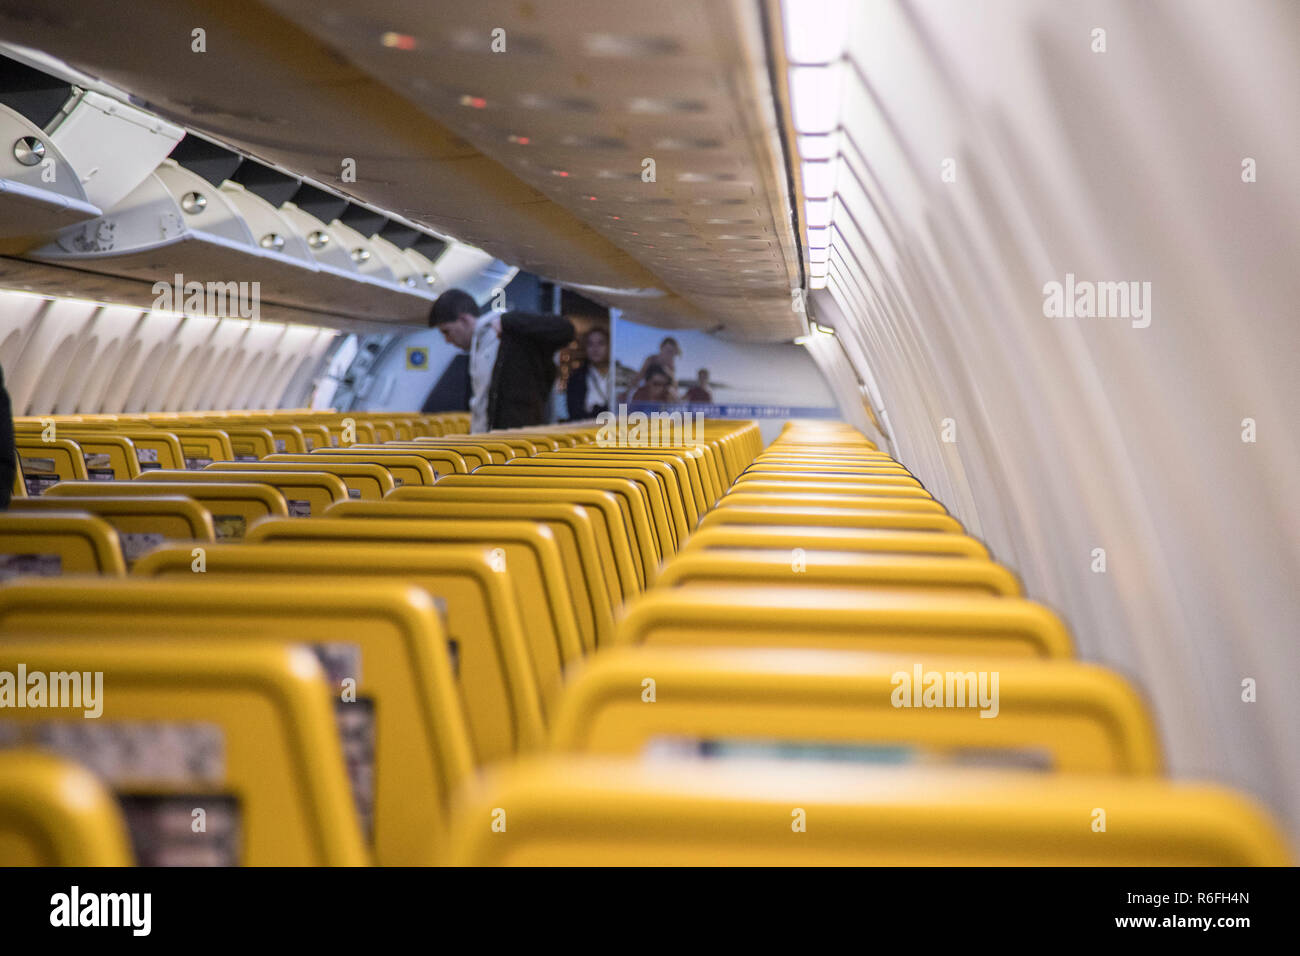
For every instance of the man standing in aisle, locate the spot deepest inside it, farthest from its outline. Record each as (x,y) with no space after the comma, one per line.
(511,359)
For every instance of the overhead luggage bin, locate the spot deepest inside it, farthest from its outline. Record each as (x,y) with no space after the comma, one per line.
(840,569)
(55,812)
(248,739)
(843,619)
(114,146)
(365,257)
(460,266)
(1053,716)
(205,238)
(605,811)
(53,543)
(40,191)
(493,666)
(405,271)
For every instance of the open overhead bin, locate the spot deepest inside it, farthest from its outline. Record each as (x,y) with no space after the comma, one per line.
(178,224)
(39,191)
(71,152)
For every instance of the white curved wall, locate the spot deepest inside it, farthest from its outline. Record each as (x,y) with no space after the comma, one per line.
(64,356)
(1074,434)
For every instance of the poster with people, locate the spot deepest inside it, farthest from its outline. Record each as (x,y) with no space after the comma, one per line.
(692,371)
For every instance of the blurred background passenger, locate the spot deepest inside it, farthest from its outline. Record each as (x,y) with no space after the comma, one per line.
(588,389)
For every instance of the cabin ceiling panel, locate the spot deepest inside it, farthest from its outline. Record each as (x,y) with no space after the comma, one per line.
(265,86)
(575,98)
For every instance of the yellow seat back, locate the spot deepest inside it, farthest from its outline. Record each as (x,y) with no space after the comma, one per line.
(841,569)
(485,634)
(46,463)
(525,553)
(791,540)
(569,524)
(404,469)
(815,517)
(601,811)
(233,506)
(601,508)
(235,735)
(643,533)
(55,812)
(365,482)
(141,523)
(657,483)
(1056,715)
(306,493)
(51,543)
(843,619)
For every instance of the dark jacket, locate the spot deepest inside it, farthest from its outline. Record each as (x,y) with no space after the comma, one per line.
(8,451)
(451,394)
(525,368)
(576,396)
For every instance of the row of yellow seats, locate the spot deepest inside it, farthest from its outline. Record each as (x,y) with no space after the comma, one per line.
(774,625)
(829,608)
(486,573)
(120,446)
(825,607)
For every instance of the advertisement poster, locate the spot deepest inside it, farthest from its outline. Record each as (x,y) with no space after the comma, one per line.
(691,371)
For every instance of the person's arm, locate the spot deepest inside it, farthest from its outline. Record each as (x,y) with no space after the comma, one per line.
(545,331)
(8,451)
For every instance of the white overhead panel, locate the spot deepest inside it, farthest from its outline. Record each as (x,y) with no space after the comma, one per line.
(177,223)
(362,252)
(112,145)
(405,271)
(464,267)
(326,246)
(268,225)
(40,192)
